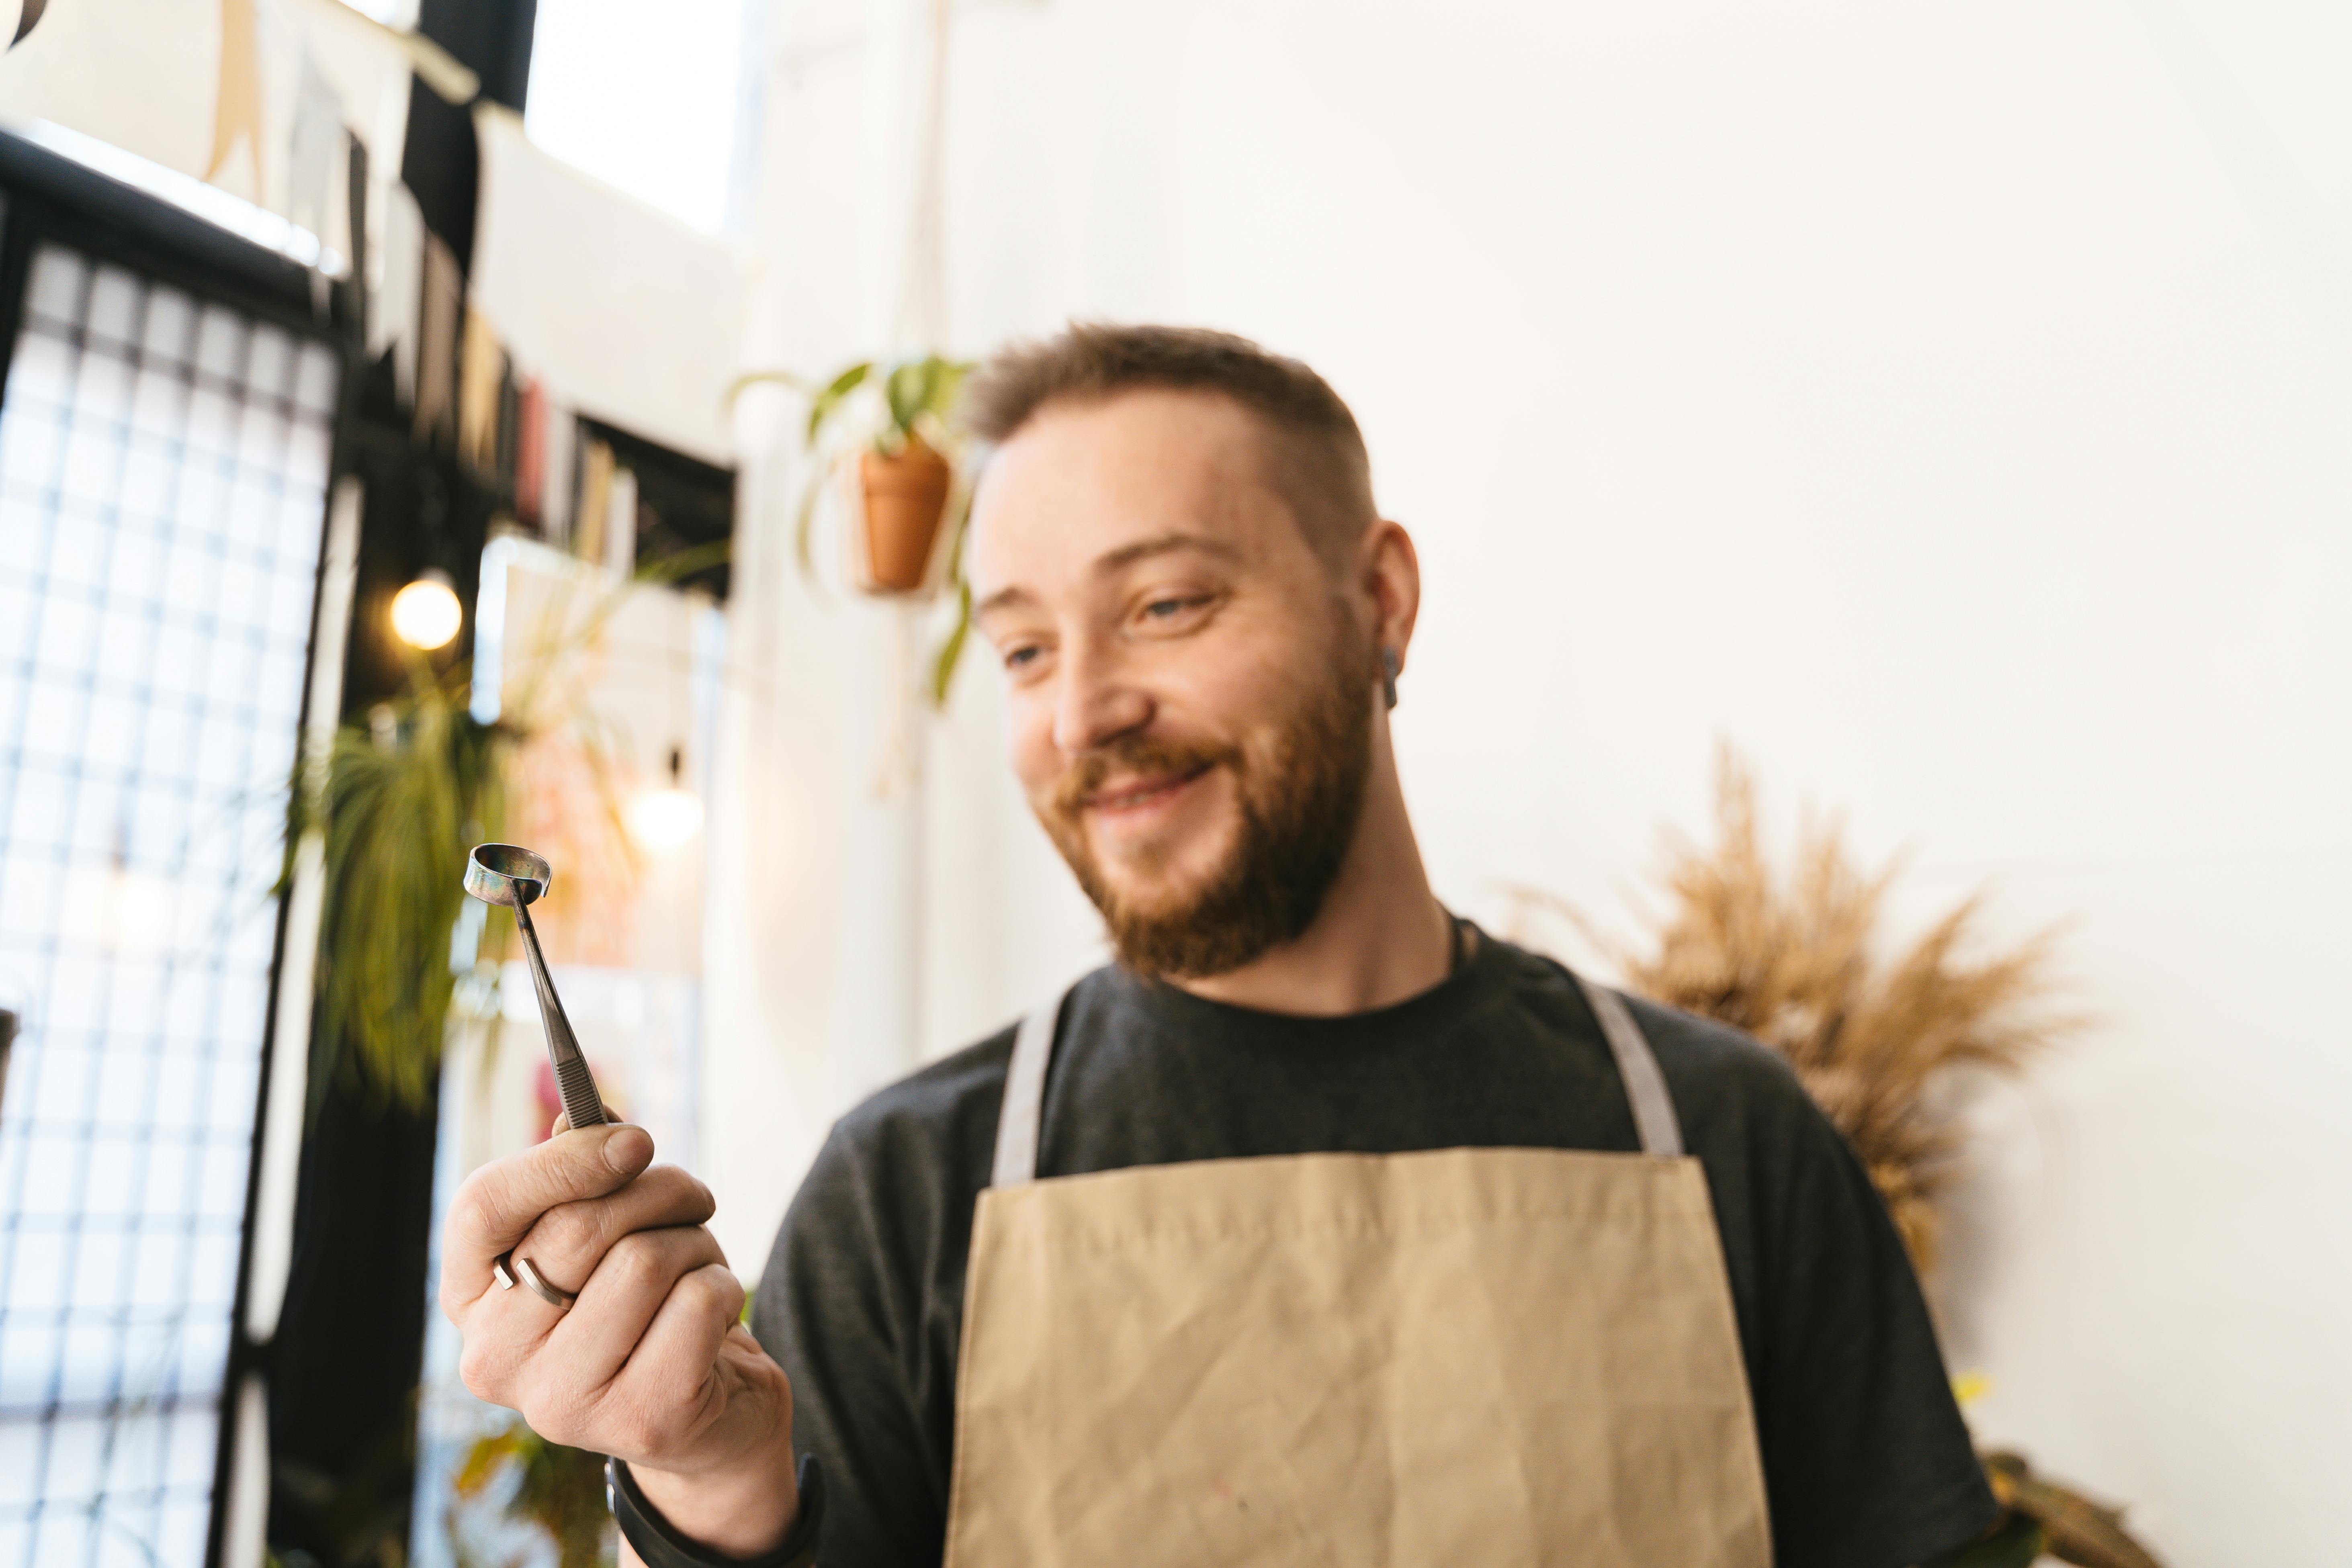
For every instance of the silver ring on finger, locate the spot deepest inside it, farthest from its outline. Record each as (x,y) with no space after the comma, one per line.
(508,1268)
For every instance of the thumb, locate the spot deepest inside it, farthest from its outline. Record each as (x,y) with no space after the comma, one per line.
(500,1202)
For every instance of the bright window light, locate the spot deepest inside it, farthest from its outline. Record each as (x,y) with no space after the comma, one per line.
(217,207)
(138,920)
(642,97)
(399,14)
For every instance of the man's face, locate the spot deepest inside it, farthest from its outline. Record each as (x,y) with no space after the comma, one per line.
(1190,696)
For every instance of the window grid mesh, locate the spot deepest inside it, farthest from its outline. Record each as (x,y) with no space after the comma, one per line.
(162,473)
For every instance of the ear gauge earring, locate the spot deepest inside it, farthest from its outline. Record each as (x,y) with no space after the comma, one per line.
(1389,674)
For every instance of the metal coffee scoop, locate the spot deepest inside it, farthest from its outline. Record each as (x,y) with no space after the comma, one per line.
(510,874)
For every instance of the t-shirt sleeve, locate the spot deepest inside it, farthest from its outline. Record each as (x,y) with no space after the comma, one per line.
(840,1308)
(1866,1461)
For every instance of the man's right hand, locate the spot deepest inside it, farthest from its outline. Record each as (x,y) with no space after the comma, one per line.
(651,1364)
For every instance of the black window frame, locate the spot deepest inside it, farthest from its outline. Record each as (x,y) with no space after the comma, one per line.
(50,198)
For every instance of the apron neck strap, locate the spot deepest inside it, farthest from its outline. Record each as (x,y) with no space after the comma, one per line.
(1018,1124)
(1020,1121)
(1646,1086)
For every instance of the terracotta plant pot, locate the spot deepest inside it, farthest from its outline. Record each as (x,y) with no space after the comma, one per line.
(906,500)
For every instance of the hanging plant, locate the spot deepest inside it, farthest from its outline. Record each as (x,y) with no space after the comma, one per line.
(401,799)
(899,441)
(882,437)
(395,802)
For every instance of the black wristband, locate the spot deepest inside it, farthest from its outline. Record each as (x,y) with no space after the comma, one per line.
(659,1545)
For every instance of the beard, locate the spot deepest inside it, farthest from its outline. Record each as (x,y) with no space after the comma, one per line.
(1300,795)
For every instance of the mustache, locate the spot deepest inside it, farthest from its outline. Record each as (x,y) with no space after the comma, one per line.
(1142,755)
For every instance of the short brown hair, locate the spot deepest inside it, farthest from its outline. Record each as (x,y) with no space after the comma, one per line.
(1314,455)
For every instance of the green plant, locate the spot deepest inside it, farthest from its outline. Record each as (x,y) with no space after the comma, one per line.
(560,1489)
(918,401)
(401,800)
(885,406)
(392,805)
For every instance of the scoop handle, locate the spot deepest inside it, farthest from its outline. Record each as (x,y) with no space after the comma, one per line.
(583,1107)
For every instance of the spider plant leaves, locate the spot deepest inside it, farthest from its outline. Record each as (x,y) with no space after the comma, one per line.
(917,395)
(821,408)
(675,567)
(908,394)
(949,652)
(946,388)
(943,662)
(921,391)
(399,799)
(917,403)
(400,813)
(804,525)
(752,378)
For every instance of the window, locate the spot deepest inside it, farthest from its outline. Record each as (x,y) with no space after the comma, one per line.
(645,101)
(164,462)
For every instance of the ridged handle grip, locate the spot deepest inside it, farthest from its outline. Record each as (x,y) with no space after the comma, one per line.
(581,1105)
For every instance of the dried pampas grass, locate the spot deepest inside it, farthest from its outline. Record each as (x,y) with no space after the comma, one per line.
(1796,963)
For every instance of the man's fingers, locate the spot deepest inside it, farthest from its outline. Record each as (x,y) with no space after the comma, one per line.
(667,1375)
(622,1296)
(566,1242)
(500,1202)
(503,1330)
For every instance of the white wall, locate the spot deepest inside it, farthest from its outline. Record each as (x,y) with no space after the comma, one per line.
(1947,405)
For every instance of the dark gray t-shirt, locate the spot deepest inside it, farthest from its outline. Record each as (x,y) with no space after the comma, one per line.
(1866,1462)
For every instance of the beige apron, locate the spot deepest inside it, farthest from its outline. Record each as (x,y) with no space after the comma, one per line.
(1489,1356)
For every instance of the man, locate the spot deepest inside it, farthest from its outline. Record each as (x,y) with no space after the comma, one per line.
(1321,1227)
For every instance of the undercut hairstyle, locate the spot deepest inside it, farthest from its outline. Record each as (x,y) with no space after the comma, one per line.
(1311,452)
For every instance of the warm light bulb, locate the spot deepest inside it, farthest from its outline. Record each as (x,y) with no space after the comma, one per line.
(665,819)
(426,614)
